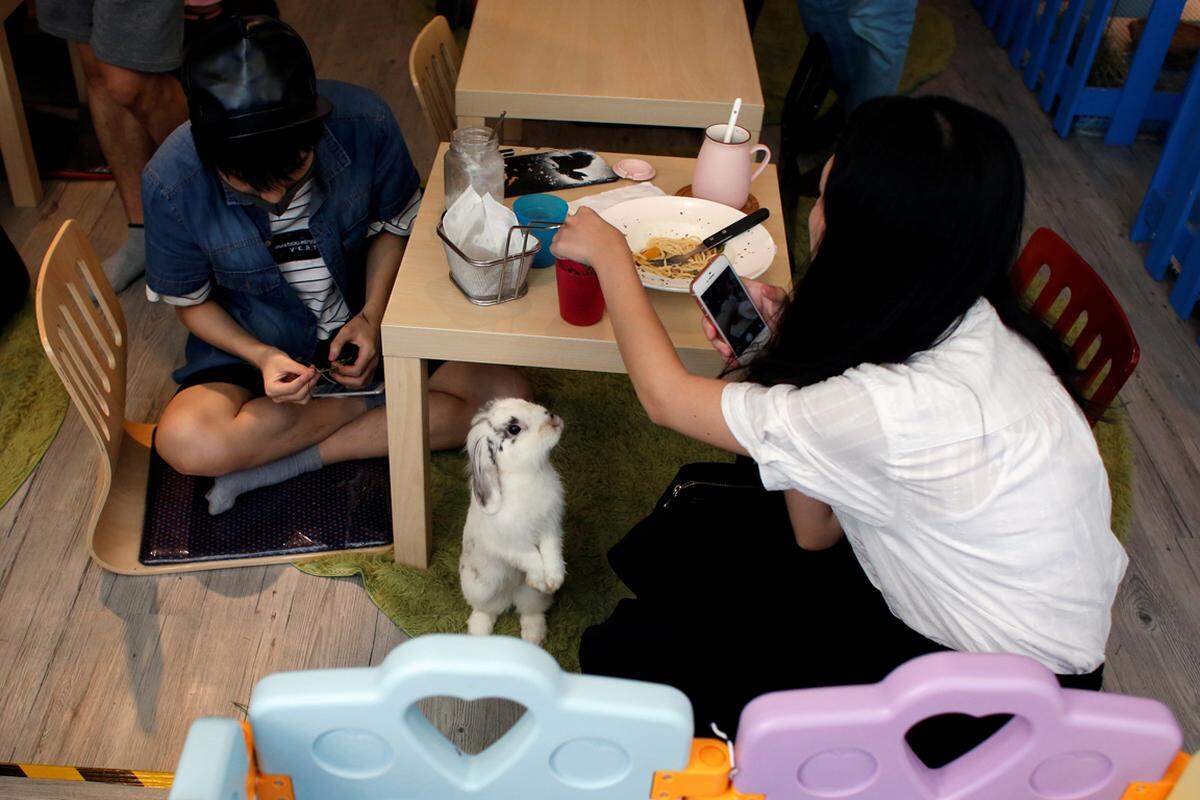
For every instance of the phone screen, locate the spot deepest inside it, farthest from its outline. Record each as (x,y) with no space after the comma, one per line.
(733,311)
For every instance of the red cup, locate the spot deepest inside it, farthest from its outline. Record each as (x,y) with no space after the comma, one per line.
(580,301)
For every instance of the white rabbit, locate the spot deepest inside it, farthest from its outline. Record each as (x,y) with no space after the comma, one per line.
(512,541)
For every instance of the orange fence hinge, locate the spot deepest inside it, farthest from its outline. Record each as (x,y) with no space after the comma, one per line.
(1160,790)
(259,786)
(706,776)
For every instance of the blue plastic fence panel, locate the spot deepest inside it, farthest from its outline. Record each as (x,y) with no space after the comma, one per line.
(355,734)
(214,764)
(1039,44)
(1172,230)
(1007,21)
(992,9)
(1023,32)
(1182,139)
(1144,70)
(1055,65)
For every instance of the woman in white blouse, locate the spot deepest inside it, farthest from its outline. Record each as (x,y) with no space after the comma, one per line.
(905,403)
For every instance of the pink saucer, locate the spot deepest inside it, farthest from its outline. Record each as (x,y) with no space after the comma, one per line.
(634,169)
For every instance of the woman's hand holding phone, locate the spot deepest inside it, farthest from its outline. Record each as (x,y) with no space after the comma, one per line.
(767,299)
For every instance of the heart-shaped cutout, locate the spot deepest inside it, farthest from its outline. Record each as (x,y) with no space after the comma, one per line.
(943,739)
(470,742)
(471,726)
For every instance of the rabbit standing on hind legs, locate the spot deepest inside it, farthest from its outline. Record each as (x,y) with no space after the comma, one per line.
(512,541)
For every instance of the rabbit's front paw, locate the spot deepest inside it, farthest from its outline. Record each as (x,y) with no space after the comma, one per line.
(555,575)
(535,576)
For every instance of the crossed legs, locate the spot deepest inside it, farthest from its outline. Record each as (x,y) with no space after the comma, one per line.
(218,428)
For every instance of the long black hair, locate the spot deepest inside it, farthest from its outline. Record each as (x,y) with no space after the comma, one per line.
(924,206)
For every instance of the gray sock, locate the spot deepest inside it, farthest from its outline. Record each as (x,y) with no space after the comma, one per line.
(129,262)
(227,488)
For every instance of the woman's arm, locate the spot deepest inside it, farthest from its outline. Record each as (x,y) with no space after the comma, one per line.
(284,380)
(813,522)
(673,397)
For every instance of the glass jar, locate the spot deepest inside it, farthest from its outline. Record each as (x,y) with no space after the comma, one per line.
(474,160)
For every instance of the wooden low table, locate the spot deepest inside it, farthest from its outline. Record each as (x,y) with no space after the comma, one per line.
(428,318)
(678,63)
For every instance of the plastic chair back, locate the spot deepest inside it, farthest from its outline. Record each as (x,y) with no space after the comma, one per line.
(1105,327)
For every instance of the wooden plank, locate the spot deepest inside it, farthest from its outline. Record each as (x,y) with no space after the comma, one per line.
(408,458)
(25,789)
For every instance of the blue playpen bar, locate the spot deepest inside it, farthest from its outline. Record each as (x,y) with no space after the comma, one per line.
(1054,45)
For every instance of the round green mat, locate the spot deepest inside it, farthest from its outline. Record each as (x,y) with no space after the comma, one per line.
(779,41)
(615,463)
(33,401)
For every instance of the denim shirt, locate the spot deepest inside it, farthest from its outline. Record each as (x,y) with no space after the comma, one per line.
(199,231)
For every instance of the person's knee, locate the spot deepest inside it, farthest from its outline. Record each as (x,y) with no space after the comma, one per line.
(195,444)
(129,89)
(501,382)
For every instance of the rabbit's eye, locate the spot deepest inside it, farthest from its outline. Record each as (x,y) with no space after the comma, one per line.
(514,429)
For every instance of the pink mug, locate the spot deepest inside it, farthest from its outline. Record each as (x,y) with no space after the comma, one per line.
(724,171)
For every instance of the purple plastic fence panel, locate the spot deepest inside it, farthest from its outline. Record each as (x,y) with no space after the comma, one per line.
(848,742)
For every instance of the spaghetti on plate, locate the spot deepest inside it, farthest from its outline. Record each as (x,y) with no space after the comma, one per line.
(650,258)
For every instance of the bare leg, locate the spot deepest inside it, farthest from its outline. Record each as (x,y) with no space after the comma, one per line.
(456,391)
(349,435)
(215,428)
(133,112)
(125,141)
(126,146)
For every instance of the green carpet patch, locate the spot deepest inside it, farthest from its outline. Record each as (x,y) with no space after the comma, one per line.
(33,401)
(614,462)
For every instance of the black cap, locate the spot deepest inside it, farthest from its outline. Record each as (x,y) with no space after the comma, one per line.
(249,76)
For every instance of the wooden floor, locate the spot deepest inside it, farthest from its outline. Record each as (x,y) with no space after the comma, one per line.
(100,670)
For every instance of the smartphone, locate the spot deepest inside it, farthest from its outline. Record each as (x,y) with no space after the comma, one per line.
(727,303)
(331,389)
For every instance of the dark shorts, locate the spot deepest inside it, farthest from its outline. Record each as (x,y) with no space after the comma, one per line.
(141,35)
(249,377)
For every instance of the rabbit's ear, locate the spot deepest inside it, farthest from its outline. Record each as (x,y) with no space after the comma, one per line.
(485,474)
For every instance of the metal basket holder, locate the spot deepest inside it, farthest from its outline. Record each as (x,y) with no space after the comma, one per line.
(488,283)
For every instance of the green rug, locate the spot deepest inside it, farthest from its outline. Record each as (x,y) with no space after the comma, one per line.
(779,41)
(615,463)
(33,401)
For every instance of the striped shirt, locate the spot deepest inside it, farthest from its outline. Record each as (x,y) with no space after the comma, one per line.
(300,263)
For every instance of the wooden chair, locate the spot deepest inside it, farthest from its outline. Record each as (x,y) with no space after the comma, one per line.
(433,64)
(83,332)
(1104,328)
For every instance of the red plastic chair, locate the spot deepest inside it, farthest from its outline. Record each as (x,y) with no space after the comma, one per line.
(1118,349)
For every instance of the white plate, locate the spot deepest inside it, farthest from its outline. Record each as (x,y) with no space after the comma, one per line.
(751,253)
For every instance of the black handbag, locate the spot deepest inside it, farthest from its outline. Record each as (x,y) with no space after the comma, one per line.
(691,524)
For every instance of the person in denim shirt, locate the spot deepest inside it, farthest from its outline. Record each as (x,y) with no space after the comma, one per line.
(275,224)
